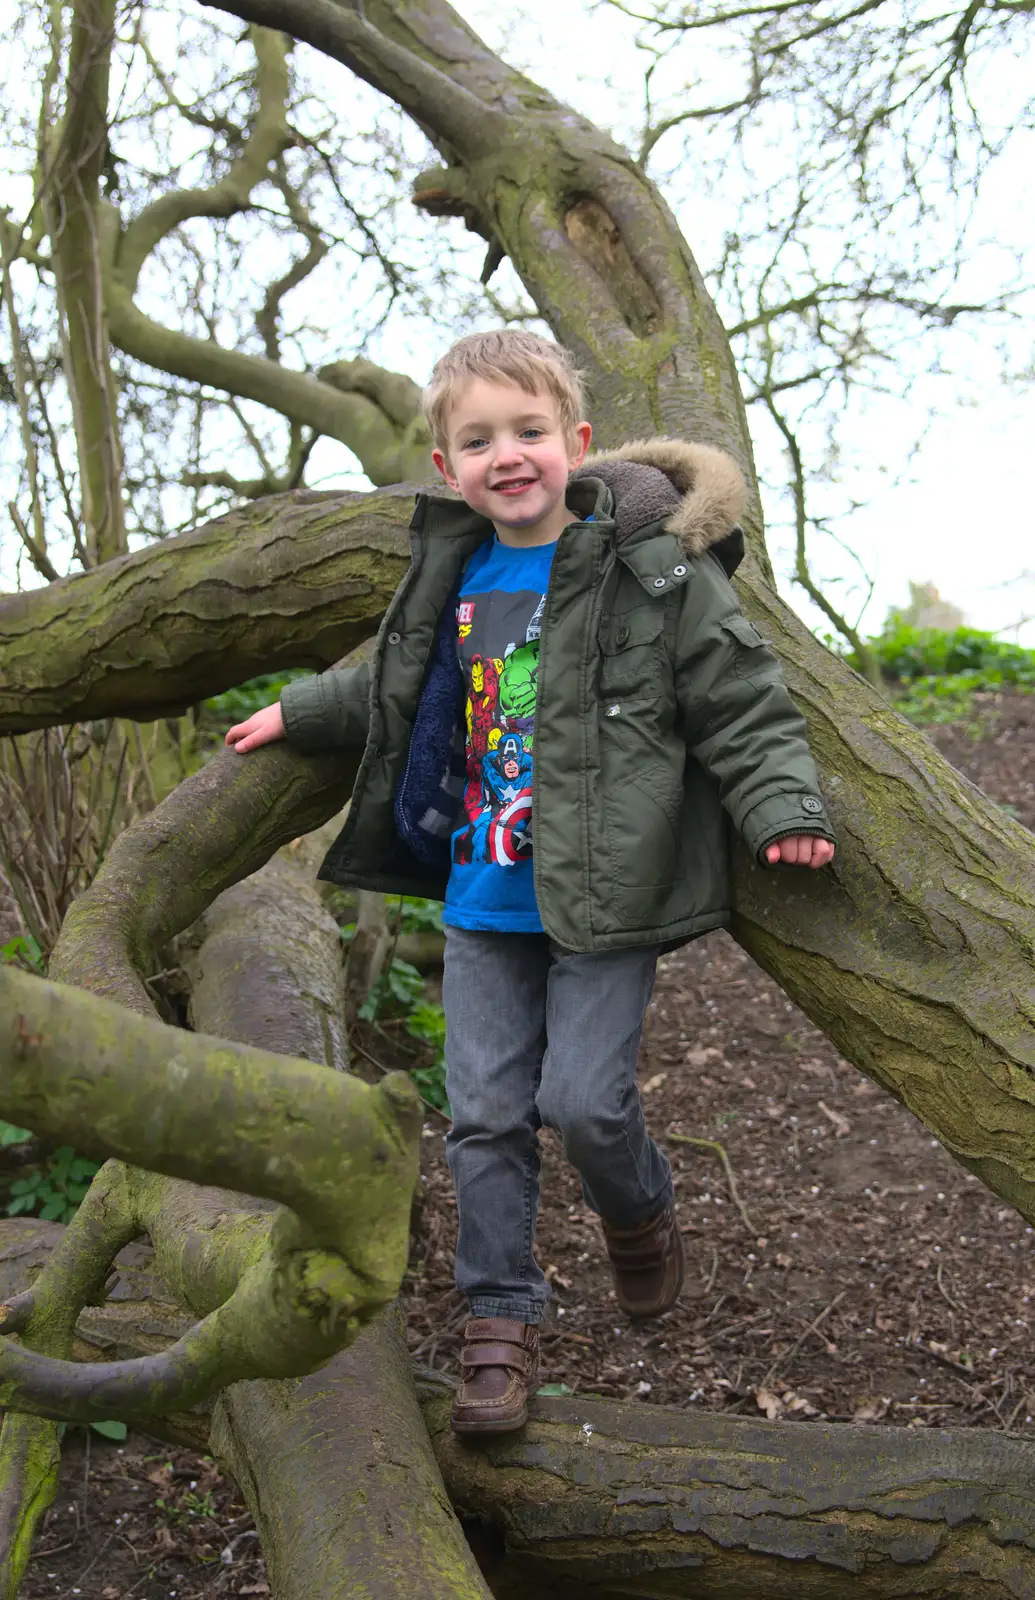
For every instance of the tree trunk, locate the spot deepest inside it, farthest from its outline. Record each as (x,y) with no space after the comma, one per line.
(610,1498)
(336,1467)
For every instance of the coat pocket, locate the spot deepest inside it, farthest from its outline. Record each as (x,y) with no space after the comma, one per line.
(629,644)
(642,790)
(752,658)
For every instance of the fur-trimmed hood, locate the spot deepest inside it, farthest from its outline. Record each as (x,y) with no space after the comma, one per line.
(698,490)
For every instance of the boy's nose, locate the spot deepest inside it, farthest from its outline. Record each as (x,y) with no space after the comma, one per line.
(507,453)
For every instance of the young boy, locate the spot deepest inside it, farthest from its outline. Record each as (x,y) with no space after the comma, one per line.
(563,700)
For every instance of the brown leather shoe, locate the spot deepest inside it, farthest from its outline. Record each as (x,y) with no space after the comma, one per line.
(499,1366)
(647,1262)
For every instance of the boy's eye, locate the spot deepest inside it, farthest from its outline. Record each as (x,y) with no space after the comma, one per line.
(532,433)
(474,444)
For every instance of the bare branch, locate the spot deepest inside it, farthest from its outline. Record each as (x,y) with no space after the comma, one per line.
(37,552)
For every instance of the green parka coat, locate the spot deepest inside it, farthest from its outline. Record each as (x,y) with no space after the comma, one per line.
(660,708)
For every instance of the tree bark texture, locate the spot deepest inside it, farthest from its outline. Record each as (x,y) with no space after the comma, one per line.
(205,837)
(74,221)
(618,1499)
(336,1467)
(295,580)
(267,968)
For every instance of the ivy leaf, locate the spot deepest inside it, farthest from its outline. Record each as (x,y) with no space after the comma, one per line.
(110,1430)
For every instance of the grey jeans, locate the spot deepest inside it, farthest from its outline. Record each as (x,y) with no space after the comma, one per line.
(538,1036)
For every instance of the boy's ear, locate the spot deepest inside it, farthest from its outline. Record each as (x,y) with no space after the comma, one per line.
(580,444)
(441,461)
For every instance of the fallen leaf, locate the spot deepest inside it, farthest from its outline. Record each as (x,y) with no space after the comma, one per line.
(842,1126)
(783,1260)
(262,1587)
(871,1408)
(770,1403)
(798,1406)
(699,1058)
(654,1083)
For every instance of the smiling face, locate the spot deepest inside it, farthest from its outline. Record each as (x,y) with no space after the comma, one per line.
(509,457)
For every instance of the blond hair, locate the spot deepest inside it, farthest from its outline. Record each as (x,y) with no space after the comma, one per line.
(504,355)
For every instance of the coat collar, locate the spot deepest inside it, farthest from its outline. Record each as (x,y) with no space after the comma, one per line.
(694,490)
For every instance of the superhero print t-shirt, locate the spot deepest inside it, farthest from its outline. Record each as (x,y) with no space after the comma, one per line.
(499,618)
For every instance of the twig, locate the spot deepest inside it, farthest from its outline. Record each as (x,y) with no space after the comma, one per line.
(355,1045)
(88,1569)
(943,1291)
(813,1327)
(40,559)
(713,1274)
(719,1150)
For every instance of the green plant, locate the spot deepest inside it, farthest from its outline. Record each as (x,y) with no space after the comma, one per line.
(9,1134)
(419,916)
(54,1191)
(427,1022)
(240,703)
(399,994)
(110,1430)
(22,951)
(399,982)
(906,653)
(934,673)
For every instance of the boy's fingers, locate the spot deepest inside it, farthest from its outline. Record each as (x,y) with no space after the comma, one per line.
(801,850)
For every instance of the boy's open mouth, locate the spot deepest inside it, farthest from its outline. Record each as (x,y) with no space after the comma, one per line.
(513,485)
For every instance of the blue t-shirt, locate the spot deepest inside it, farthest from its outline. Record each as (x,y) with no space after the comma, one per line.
(499,618)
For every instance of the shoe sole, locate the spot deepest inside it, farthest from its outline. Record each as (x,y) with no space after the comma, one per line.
(493,1425)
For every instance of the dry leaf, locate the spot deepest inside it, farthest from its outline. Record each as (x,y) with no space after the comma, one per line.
(261,1587)
(798,1406)
(654,1083)
(783,1260)
(842,1126)
(111,1594)
(699,1058)
(770,1403)
(871,1408)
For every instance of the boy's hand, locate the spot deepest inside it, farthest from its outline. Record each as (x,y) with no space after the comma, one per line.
(263,728)
(801,850)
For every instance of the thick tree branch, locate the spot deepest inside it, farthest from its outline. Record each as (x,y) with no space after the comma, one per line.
(297,580)
(207,1110)
(599,1496)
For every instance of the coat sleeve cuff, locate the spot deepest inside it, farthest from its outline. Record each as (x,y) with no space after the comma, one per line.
(783,816)
(304,712)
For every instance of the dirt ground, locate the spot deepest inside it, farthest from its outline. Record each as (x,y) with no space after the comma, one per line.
(851,1271)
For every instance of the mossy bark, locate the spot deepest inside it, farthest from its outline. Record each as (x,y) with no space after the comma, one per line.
(267,964)
(632,1500)
(336,1466)
(295,580)
(615,1499)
